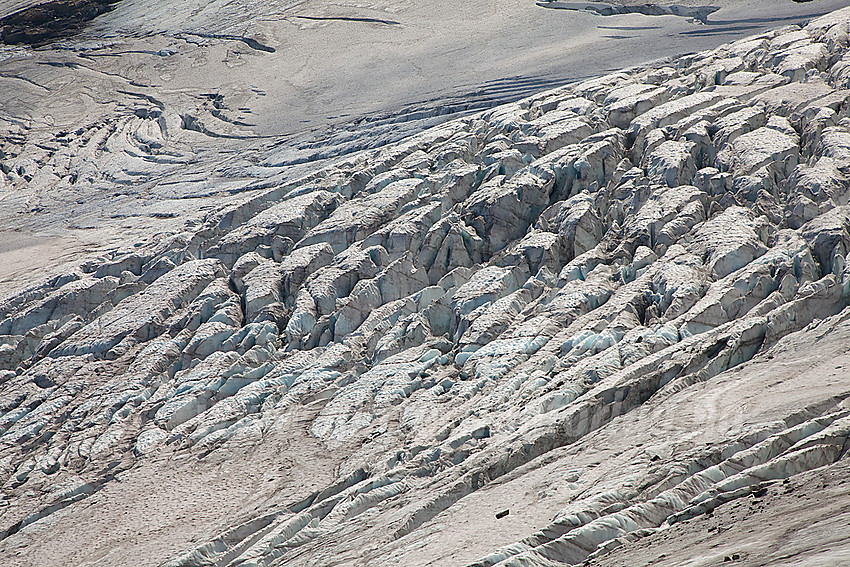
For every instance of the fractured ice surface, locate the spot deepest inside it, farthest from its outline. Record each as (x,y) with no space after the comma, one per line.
(455,306)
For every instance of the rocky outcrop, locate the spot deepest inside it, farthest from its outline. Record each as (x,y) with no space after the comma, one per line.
(46,21)
(473,310)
